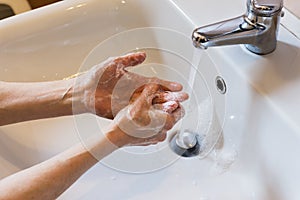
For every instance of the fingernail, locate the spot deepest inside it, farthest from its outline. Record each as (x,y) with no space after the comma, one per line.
(176,86)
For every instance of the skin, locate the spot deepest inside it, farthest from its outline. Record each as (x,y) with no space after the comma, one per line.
(90,92)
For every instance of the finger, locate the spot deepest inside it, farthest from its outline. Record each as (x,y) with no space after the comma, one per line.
(134,97)
(149,93)
(170,96)
(162,96)
(178,113)
(160,137)
(173,118)
(144,101)
(170,122)
(168,107)
(136,58)
(131,59)
(166,85)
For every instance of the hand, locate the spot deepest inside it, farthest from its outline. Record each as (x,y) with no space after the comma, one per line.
(108,87)
(148,118)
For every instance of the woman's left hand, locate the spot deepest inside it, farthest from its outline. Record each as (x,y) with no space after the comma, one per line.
(108,87)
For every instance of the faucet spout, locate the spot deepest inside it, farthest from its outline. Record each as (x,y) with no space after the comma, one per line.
(257,29)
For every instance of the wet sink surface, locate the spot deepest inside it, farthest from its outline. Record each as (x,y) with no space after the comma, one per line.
(256,158)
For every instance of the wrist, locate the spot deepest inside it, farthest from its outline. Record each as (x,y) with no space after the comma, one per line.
(117,137)
(76,93)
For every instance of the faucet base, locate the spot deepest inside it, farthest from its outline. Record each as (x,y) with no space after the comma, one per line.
(259,51)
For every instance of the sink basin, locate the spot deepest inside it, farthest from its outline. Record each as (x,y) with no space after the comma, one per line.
(256,155)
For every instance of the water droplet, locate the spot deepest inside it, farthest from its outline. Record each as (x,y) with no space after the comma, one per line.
(253,195)
(204,198)
(146,148)
(113,178)
(195,183)
(215,153)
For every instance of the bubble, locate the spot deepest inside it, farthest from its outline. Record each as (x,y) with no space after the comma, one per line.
(224,161)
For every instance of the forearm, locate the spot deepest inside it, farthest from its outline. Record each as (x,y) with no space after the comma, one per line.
(51,178)
(29,101)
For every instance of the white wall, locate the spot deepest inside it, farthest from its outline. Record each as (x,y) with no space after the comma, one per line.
(293,6)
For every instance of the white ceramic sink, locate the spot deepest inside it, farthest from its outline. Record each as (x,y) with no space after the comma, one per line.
(257,155)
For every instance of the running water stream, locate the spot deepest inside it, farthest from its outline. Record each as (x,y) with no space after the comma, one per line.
(183,140)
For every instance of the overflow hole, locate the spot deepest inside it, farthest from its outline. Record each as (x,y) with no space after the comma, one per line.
(221,85)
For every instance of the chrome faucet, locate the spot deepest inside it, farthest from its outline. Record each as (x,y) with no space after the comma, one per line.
(257,29)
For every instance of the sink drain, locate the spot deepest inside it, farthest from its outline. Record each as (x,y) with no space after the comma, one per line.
(221,85)
(186,144)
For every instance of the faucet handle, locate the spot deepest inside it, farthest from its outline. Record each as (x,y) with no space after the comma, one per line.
(265,8)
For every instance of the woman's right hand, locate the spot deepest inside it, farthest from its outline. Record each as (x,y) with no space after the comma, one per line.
(148,118)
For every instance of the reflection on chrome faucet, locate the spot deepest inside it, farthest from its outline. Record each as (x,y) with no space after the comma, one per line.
(257,29)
